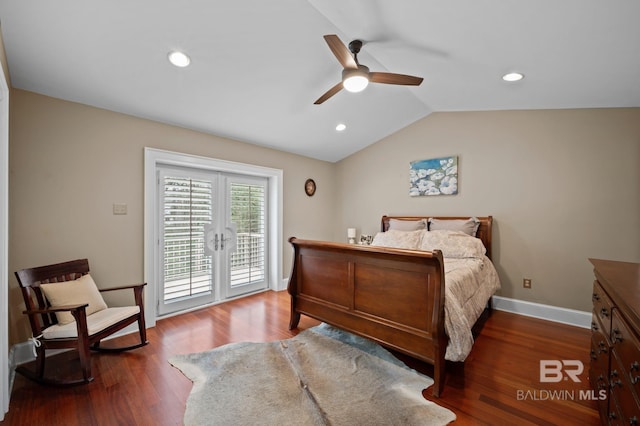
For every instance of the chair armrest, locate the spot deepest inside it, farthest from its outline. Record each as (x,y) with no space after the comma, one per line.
(134,286)
(137,293)
(56,309)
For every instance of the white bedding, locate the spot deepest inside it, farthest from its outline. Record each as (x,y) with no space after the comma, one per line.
(470,279)
(469,283)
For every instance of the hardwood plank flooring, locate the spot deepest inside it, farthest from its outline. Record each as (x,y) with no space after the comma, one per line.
(141,388)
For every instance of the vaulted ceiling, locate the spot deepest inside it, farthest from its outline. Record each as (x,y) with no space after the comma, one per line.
(257,66)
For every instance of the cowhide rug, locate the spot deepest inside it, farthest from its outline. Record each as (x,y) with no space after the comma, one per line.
(323,376)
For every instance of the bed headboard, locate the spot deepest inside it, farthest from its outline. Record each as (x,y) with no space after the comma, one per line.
(484,230)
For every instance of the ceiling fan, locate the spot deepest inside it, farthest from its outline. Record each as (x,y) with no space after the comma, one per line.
(356,77)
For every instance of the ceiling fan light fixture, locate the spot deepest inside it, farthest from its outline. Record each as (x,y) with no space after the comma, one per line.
(179,59)
(355,80)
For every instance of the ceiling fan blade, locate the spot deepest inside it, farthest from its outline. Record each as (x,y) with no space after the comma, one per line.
(340,50)
(329,93)
(390,78)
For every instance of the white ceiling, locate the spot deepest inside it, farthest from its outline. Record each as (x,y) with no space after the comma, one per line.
(258,66)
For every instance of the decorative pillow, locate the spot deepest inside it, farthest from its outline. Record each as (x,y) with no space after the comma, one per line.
(468,226)
(407,225)
(399,239)
(453,244)
(82,290)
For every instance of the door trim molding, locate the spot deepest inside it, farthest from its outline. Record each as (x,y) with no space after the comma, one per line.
(154,157)
(4,244)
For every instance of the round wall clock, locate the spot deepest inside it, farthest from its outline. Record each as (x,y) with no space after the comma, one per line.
(310,187)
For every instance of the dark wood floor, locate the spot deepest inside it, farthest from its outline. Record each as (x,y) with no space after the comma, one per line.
(499,383)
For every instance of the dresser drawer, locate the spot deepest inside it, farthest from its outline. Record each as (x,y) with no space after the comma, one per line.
(599,365)
(602,307)
(615,416)
(627,347)
(622,398)
(599,368)
(600,345)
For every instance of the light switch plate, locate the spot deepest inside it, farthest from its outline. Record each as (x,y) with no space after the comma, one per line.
(119,208)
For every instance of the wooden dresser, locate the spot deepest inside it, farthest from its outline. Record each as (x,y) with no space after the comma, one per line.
(615,343)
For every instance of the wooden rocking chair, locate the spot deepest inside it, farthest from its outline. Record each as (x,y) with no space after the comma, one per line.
(84,329)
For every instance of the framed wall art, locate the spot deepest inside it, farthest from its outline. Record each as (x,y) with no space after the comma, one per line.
(436,176)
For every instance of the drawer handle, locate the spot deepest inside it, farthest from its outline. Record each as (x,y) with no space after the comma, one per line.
(594,326)
(633,420)
(612,416)
(617,381)
(604,312)
(617,336)
(601,382)
(595,297)
(602,347)
(594,356)
(635,366)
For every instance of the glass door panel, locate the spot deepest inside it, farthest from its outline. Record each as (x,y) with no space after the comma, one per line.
(188,273)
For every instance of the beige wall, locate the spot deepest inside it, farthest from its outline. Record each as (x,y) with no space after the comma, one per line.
(69,163)
(562,186)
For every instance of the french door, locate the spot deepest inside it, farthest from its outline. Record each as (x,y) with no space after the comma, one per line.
(213,237)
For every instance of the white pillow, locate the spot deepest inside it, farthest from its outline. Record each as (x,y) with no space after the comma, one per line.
(80,291)
(407,225)
(468,226)
(453,244)
(399,239)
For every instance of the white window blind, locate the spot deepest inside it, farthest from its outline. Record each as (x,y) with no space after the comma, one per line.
(248,263)
(187,208)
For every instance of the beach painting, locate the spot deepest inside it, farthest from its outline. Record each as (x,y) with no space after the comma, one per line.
(437,176)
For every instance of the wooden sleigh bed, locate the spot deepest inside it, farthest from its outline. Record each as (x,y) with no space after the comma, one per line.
(393,296)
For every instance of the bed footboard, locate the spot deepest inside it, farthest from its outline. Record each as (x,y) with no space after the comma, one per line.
(392,296)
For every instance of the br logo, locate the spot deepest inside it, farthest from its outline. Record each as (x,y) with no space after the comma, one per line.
(553,370)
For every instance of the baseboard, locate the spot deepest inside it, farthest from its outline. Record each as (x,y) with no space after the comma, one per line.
(21,353)
(284,283)
(545,312)
(12,368)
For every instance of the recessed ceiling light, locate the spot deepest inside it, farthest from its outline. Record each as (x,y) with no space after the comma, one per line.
(179,59)
(513,76)
(340,127)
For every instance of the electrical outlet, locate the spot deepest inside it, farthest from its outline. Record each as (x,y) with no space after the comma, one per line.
(526,283)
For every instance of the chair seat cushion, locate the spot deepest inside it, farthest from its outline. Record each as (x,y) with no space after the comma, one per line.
(95,322)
